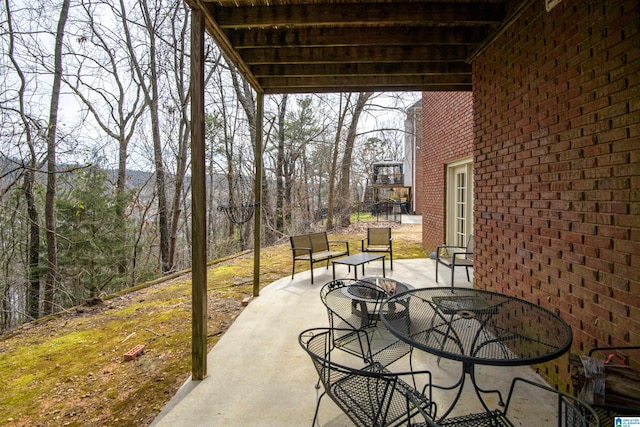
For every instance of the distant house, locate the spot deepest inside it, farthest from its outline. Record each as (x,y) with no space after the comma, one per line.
(393,182)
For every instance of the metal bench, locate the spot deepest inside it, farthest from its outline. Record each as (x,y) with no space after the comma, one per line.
(315,247)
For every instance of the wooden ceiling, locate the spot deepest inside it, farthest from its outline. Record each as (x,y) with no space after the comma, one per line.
(304,46)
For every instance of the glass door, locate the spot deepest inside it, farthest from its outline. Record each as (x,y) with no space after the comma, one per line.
(460,203)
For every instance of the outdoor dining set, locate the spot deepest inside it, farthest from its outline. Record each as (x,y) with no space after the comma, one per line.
(377,326)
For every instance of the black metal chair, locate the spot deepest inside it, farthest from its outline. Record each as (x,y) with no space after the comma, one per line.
(368,394)
(354,305)
(455,256)
(571,412)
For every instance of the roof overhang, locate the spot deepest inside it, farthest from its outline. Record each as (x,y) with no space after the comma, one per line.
(337,46)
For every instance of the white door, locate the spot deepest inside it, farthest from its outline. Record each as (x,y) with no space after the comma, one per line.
(460,202)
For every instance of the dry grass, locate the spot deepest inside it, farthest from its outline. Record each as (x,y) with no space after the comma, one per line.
(69,370)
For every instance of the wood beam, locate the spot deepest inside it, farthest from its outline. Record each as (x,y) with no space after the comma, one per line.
(354,54)
(382,80)
(392,13)
(257,190)
(361,69)
(198,203)
(358,36)
(223,43)
(360,88)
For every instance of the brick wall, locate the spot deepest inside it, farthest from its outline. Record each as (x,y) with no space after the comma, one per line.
(557,168)
(447,136)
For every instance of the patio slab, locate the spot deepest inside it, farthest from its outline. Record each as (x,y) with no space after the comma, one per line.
(258,375)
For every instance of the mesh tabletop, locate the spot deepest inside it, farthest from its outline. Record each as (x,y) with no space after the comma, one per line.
(476,326)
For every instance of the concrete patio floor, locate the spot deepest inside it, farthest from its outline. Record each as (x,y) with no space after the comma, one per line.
(259,376)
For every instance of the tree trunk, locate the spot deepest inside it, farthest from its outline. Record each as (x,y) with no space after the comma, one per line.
(345,170)
(280,166)
(33,289)
(152,97)
(177,196)
(245,97)
(50,218)
(33,238)
(333,167)
(150,91)
(184,135)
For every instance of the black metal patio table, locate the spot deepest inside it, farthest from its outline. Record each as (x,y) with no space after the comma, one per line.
(476,327)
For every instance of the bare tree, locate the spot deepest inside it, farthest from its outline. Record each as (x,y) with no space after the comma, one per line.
(50,218)
(282,166)
(108,90)
(31,165)
(345,169)
(180,97)
(342,112)
(244,94)
(146,69)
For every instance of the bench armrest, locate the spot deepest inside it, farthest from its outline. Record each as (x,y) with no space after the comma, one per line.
(294,249)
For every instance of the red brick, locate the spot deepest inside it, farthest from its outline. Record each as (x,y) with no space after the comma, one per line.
(136,351)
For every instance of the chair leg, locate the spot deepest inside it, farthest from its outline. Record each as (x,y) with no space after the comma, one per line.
(452,273)
(311,269)
(391,258)
(411,367)
(437,270)
(315,416)
(468,278)
(293,270)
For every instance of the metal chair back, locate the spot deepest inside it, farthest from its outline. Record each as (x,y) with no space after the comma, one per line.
(351,303)
(379,236)
(354,305)
(369,395)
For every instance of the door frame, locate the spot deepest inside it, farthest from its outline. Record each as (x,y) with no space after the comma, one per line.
(459,213)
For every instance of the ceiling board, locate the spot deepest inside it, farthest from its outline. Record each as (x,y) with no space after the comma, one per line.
(321,46)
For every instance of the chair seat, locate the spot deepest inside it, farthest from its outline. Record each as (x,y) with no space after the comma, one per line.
(382,347)
(361,399)
(488,419)
(378,248)
(455,256)
(320,255)
(458,261)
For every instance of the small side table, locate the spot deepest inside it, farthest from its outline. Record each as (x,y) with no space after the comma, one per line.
(359,259)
